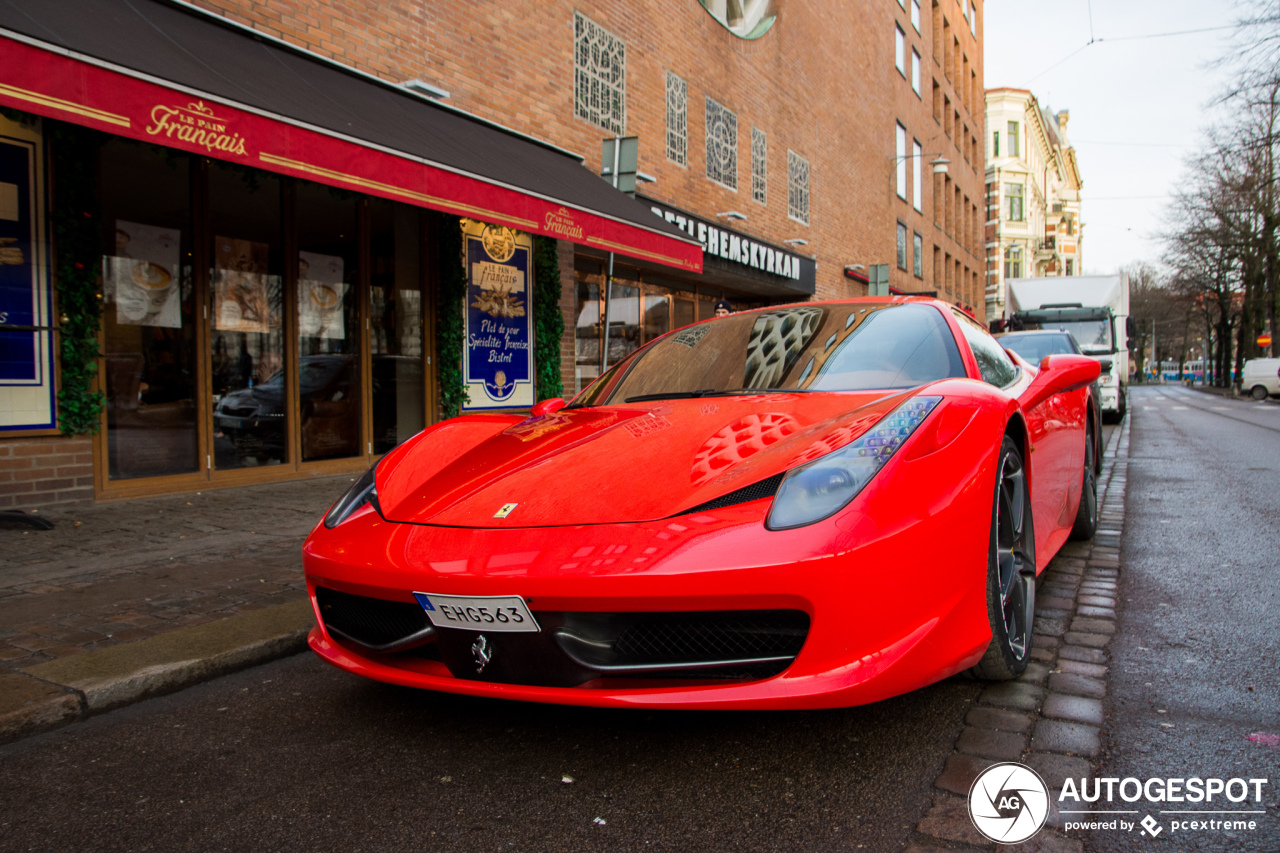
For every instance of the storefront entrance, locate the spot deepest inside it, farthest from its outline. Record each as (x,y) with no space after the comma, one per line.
(254,326)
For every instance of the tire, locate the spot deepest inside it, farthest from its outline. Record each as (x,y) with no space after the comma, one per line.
(1087,515)
(1011,572)
(1258,392)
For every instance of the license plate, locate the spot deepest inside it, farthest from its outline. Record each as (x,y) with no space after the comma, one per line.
(489,613)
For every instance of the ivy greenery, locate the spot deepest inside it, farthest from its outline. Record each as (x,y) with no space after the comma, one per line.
(548,322)
(450,319)
(75,219)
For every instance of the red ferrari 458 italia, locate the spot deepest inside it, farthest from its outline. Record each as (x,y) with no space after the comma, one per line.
(806,506)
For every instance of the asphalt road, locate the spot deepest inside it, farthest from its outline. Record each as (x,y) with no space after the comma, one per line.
(1195,680)
(298,756)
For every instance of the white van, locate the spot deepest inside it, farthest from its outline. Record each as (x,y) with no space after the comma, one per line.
(1260,377)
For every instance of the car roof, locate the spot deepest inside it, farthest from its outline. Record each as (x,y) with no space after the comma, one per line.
(1032,332)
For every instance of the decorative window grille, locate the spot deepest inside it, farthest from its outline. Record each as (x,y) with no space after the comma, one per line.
(902,246)
(722,145)
(797,187)
(917,256)
(759,161)
(599,75)
(677,120)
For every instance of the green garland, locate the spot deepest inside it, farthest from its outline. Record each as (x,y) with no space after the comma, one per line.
(548,322)
(77,232)
(450,325)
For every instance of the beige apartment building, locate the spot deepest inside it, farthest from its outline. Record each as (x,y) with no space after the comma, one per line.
(1033,223)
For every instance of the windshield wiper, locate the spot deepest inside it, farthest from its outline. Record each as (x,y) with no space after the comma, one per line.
(711,392)
(674,395)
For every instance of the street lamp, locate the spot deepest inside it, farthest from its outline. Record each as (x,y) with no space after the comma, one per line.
(939,163)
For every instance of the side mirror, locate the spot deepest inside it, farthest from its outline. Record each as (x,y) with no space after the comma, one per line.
(1058,375)
(547,407)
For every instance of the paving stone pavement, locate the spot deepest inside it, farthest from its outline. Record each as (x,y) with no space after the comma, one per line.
(1050,718)
(113,573)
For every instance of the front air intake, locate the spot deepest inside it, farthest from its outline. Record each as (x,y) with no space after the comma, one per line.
(377,624)
(754,492)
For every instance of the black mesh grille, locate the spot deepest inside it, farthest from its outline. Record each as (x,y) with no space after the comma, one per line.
(371,621)
(763,489)
(713,637)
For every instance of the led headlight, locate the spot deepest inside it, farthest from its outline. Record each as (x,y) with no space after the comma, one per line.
(814,491)
(362,491)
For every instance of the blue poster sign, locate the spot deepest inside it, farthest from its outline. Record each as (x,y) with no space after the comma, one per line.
(498,366)
(18,284)
(27,384)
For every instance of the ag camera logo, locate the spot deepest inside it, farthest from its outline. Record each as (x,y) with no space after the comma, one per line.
(1009,802)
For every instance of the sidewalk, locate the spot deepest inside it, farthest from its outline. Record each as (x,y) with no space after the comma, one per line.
(125,600)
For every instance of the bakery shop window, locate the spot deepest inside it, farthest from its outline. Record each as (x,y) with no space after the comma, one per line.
(149,314)
(246,314)
(395,306)
(328,387)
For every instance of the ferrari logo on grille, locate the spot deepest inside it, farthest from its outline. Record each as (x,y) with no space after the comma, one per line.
(505,511)
(482,652)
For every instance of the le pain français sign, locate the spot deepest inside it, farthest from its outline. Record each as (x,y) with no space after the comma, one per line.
(61,86)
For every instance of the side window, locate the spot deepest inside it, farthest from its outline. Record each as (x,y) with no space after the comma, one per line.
(993,362)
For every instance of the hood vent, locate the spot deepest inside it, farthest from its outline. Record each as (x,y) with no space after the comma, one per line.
(756,491)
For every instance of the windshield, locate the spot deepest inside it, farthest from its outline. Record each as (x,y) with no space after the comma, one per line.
(1094,336)
(845,347)
(1035,347)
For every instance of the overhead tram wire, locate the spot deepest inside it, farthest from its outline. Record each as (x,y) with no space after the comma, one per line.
(1093,41)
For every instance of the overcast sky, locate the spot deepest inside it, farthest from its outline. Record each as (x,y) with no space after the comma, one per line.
(1138,105)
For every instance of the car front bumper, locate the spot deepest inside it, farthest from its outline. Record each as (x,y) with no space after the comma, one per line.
(895,600)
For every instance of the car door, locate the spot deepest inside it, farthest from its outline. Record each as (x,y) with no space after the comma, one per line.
(1045,425)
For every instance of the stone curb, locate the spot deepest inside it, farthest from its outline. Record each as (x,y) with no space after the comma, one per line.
(1052,717)
(52,694)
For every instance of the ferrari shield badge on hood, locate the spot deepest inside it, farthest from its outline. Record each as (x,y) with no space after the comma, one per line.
(505,510)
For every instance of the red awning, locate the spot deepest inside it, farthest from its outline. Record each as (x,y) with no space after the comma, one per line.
(172,75)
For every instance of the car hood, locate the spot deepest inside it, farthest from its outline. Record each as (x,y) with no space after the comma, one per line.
(265,396)
(615,464)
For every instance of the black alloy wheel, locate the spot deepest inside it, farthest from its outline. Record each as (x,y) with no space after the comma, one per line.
(1087,515)
(1011,572)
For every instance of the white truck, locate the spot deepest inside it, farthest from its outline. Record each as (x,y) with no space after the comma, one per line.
(1093,308)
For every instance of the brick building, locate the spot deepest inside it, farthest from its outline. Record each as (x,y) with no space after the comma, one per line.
(786,152)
